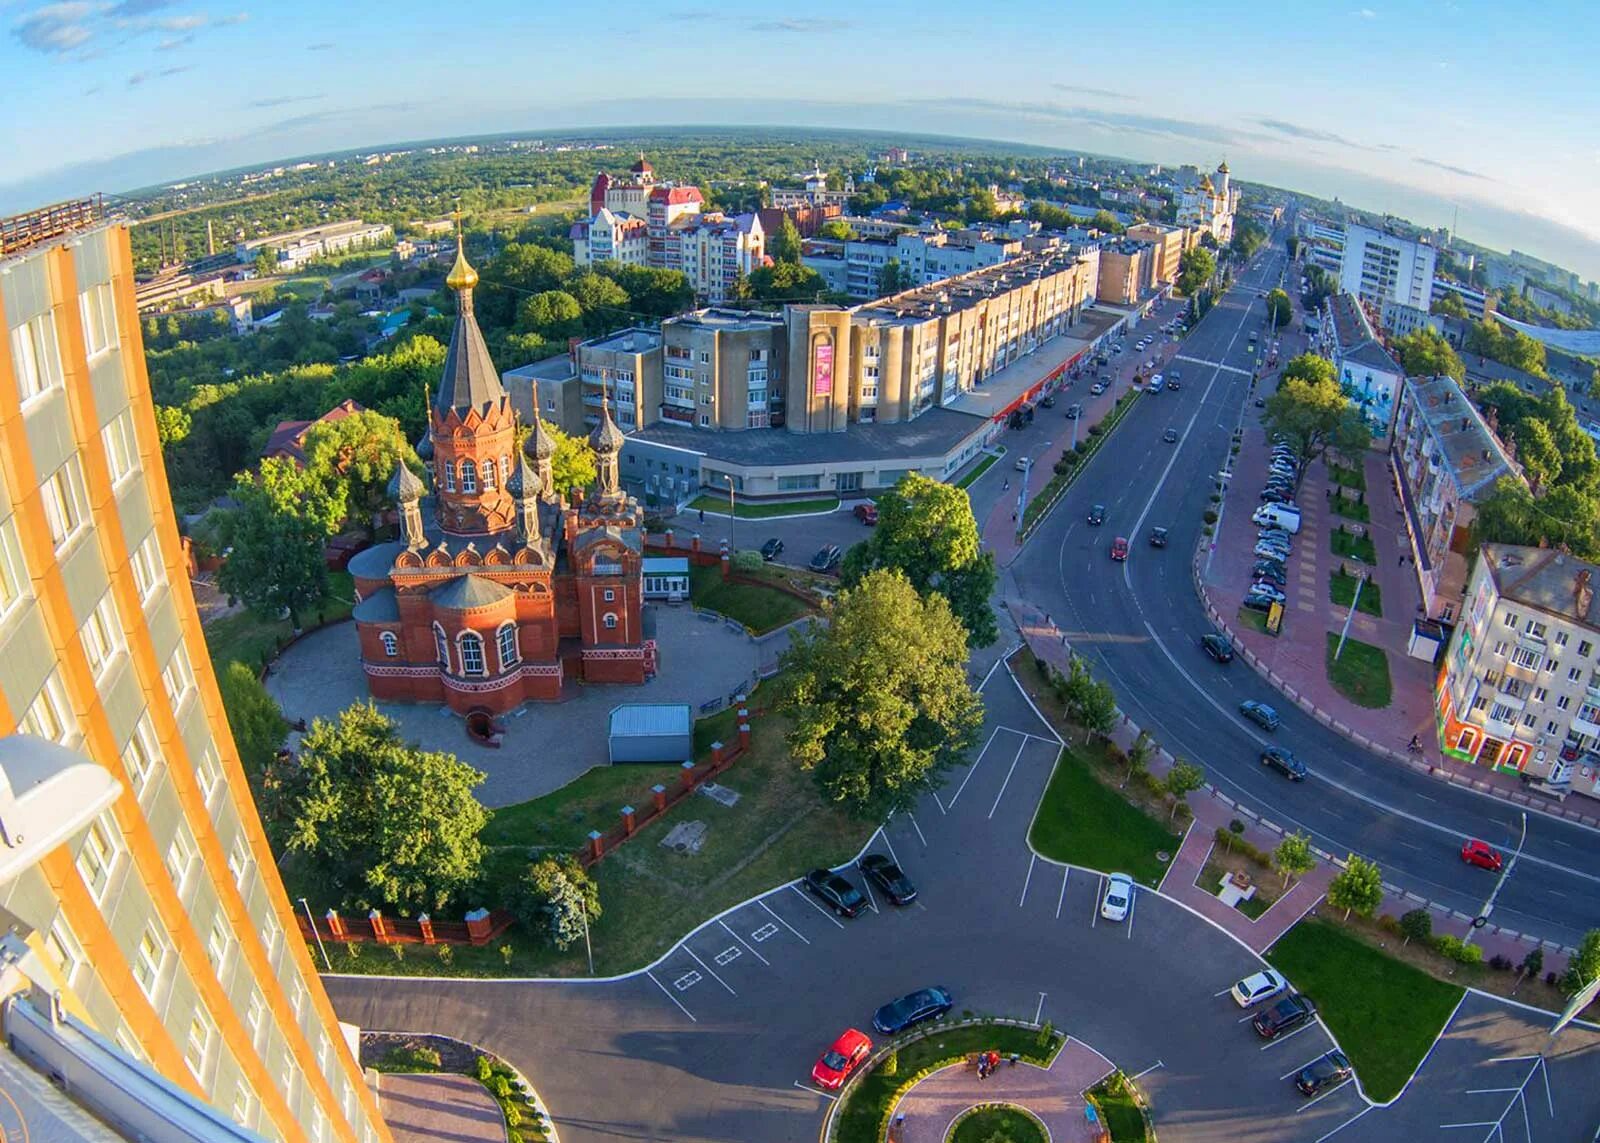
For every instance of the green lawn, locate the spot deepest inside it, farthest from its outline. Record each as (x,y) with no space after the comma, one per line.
(860,1118)
(1083,822)
(978,470)
(1384,1013)
(1361,674)
(1342,587)
(998,1121)
(1113,1098)
(250,639)
(1353,547)
(1349,477)
(1348,508)
(759,608)
(760,510)
(1255,620)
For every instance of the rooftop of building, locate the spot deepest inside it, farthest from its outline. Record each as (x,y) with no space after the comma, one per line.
(627,341)
(20,233)
(966,290)
(557,368)
(289,438)
(1547,578)
(1126,246)
(724,319)
(1002,389)
(1470,448)
(931,436)
(1356,339)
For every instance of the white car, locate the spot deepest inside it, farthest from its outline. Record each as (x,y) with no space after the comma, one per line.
(1253,990)
(1118,899)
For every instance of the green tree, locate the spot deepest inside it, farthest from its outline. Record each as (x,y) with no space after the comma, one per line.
(1182,780)
(1248,237)
(266,263)
(376,822)
(1294,857)
(1357,888)
(786,282)
(1106,222)
(1292,245)
(1280,311)
(1530,968)
(361,452)
(1425,353)
(1312,413)
(276,565)
(1139,755)
(558,898)
(1195,268)
(1416,925)
(836,230)
(1096,709)
(258,726)
(927,531)
(878,695)
(1584,965)
(554,315)
(172,425)
(784,244)
(1449,304)
(604,303)
(894,278)
(1538,452)
(1319,284)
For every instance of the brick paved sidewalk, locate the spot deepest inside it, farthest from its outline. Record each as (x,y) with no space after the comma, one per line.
(1262,932)
(428,1108)
(1054,1094)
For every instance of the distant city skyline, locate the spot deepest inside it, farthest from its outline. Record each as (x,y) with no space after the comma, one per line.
(1420,113)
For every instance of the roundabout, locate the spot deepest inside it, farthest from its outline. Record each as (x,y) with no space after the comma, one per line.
(998,1121)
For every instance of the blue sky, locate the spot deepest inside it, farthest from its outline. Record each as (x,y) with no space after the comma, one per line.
(1418,108)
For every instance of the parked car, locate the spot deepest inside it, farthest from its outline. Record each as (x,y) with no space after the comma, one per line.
(1254,602)
(1286,1015)
(1119,549)
(1262,587)
(1271,551)
(1074,412)
(886,875)
(834,1066)
(1481,854)
(772,549)
(1284,762)
(1158,537)
(913,1008)
(826,559)
(1097,514)
(1172,382)
(1261,714)
(1218,647)
(1048,400)
(1277,496)
(1118,898)
(1320,1074)
(1257,987)
(836,891)
(1170,436)
(1271,574)
(1097,388)
(867,512)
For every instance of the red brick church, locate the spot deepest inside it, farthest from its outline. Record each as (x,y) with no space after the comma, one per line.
(501,587)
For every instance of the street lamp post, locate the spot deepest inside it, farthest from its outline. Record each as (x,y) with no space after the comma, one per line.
(732,547)
(1022,493)
(320,947)
(1482,918)
(587,947)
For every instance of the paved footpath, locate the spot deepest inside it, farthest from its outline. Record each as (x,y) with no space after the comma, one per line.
(429,1108)
(1054,1094)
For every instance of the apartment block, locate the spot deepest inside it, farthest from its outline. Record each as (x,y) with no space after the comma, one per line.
(1445,458)
(162,922)
(1520,689)
(1369,375)
(721,370)
(1378,266)
(1127,272)
(1167,246)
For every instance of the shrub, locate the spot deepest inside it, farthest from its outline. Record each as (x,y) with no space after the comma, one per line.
(1236,826)
(446,955)
(352,949)
(398,952)
(1047,1033)
(1417,925)
(500,1086)
(505,954)
(1550,979)
(1095,430)
(747,563)
(482,1069)
(1209,516)
(410,1059)
(1215,499)
(1500,963)
(513,1116)
(1454,948)
(1041,666)
(891,1063)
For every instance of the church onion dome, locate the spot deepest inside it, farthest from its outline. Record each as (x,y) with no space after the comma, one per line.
(424,446)
(607,439)
(524,482)
(539,445)
(462,276)
(405,486)
(467,593)
(1222,167)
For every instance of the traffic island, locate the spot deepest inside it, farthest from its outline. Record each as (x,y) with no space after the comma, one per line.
(991,1121)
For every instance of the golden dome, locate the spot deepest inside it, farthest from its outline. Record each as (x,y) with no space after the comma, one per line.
(462,276)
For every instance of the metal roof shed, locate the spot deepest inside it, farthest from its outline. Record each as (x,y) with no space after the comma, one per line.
(651,732)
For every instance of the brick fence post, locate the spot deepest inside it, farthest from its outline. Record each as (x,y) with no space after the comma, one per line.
(478,927)
(686,771)
(694,543)
(669,539)
(597,844)
(717,751)
(627,820)
(744,736)
(335,925)
(380,929)
(658,794)
(425,923)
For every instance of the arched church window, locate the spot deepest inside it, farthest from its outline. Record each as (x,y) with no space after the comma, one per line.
(610,620)
(471,653)
(488,475)
(441,646)
(449,471)
(391,645)
(507,639)
(469,476)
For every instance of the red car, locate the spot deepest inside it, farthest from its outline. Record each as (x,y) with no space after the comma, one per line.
(867,513)
(1481,854)
(840,1060)
(1119,548)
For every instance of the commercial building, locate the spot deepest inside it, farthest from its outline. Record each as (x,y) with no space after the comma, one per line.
(856,265)
(1366,371)
(1520,689)
(160,922)
(1168,245)
(1379,266)
(1127,272)
(1445,459)
(294,248)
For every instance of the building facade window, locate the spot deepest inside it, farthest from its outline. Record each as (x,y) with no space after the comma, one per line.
(181,856)
(219,944)
(122,455)
(488,475)
(441,646)
(449,471)
(65,952)
(255,1013)
(469,476)
(391,645)
(471,653)
(208,772)
(98,856)
(49,716)
(147,571)
(150,958)
(178,678)
(239,860)
(36,354)
(506,638)
(99,319)
(610,621)
(197,1046)
(102,636)
(65,510)
(14,585)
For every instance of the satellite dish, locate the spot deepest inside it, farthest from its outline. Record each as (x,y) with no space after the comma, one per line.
(48,793)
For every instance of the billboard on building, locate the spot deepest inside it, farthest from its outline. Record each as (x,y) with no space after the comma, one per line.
(822,369)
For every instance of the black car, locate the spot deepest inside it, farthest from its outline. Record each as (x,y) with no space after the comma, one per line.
(1158,537)
(1330,1070)
(772,549)
(827,558)
(1274,496)
(1074,412)
(1048,400)
(1273,575)
(1170,436)
(1283,761)
(923,1004)
(1283,1016)
(1255,601)
(1261,714)
(1097,514)
(841,896)
(1218,647)
(886,875)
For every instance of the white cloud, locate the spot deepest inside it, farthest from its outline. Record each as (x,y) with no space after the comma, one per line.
(56,29)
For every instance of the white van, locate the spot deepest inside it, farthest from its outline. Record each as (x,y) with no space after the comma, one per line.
(1277,516)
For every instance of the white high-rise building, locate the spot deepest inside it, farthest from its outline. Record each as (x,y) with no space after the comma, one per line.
(1380,267)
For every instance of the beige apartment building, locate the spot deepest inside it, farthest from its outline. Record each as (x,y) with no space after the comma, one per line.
(1127,272)
(1520,690)
(160,920)
(1167,246)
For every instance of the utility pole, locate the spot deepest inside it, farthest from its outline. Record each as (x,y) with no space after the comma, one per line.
(1355,600)
(728,476)
(1022,493)
(1482,918)
(326,963)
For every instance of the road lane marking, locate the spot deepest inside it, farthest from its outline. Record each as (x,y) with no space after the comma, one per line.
(1276,1040)
(1010,772)
(1032,857)
(1147,1071)
(1346,1123)
(1304,1066)
(709,969)
(810,1090)
(1324,1095)
(889,845)
(1066,871)
(784,923)
(669,995)
(1039,1011)
(816,906)
(973,769)
(742,941)
(918,828)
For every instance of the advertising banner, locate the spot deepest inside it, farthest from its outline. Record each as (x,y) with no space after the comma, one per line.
(822,369)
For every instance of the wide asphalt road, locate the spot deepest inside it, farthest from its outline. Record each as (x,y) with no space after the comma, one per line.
(1139,624)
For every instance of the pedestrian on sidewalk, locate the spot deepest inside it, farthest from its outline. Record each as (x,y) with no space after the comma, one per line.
(702,515)
(1402,561)
(994,1059)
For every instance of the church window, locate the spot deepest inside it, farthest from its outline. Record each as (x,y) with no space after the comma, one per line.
(610,621)
(505,470)
(610,595)
(441,646)
(469,476)
(507,640)
(449,476)
(488,475)
(391,645)
(471,653)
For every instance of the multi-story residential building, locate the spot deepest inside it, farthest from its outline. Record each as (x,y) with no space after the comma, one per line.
(931,256)
(609,237)
(1377,266)
(294,248)
(550,388)
(1127,272)
(1366,371)
(1168,244)
(161,923)
(1445,459)
(624,368)
(1520,689)
(721,370)
(715,251)
(814,193)
(1479,304)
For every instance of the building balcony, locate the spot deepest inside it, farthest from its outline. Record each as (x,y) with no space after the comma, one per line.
(1515,670)
(1499,728)
(1584,727)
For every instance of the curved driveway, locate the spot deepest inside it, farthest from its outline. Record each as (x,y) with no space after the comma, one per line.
(1139,625)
